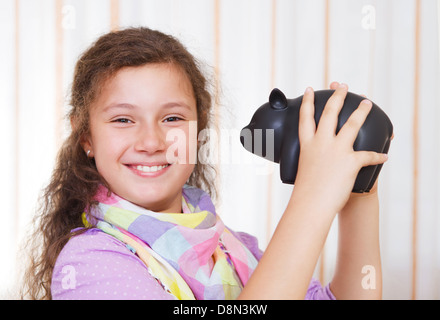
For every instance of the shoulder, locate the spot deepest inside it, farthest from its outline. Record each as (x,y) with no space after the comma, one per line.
(95,265)
(317,292)
(89,240)
(250,242)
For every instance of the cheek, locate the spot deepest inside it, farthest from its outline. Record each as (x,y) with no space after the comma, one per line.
(182,145)
(107,150)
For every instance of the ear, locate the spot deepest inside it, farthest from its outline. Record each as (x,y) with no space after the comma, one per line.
(87,147)
(85,141)
(277,100)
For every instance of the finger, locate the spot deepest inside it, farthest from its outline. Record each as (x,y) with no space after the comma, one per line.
(351,127)
(329,118)
(371,158)
(307,126)
(334,85)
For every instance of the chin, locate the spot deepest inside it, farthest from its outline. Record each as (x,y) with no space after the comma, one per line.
(153,198)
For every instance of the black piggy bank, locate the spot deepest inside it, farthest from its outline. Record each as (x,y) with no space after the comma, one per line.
(273,133)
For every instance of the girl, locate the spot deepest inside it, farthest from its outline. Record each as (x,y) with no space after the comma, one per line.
(125,217)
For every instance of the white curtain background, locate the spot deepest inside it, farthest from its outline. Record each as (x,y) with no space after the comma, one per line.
(387,50)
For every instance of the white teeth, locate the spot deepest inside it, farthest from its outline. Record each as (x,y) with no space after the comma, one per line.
(151,169)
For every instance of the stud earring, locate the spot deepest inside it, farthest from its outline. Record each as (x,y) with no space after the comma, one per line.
(88,152)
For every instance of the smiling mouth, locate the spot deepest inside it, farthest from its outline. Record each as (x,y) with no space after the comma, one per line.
(150,168)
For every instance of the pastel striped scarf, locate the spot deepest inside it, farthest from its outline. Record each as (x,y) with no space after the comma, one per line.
(193,255)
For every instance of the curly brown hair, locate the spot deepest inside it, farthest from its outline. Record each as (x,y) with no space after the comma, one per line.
(75,178)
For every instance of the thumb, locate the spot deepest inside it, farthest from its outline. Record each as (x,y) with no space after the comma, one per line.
(371,158)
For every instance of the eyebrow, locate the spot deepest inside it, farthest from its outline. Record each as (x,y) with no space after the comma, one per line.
(119,106)
(129,106)
(170,105)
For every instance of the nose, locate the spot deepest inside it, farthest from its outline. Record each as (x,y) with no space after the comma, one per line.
(150,139)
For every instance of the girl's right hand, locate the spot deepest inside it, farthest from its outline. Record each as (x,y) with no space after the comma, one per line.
(328,165)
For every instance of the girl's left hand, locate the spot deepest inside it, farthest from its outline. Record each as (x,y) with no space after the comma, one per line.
(328,165)
(334,85)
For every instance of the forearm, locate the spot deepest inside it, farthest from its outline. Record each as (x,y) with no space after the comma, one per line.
(358,272)
(286,268)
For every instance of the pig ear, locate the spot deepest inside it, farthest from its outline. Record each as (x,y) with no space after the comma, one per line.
(277,100)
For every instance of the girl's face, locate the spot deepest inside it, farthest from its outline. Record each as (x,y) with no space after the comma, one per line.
(142,135)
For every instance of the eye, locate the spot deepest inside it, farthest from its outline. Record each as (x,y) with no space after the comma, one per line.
(122,120)
(172,119)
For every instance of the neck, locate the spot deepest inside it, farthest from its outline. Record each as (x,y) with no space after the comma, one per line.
(169,205)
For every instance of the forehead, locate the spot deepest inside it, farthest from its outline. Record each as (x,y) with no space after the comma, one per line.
(147,83)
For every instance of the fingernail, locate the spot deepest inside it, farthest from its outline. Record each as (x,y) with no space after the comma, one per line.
(343,85)
(367,102)
(308,89)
